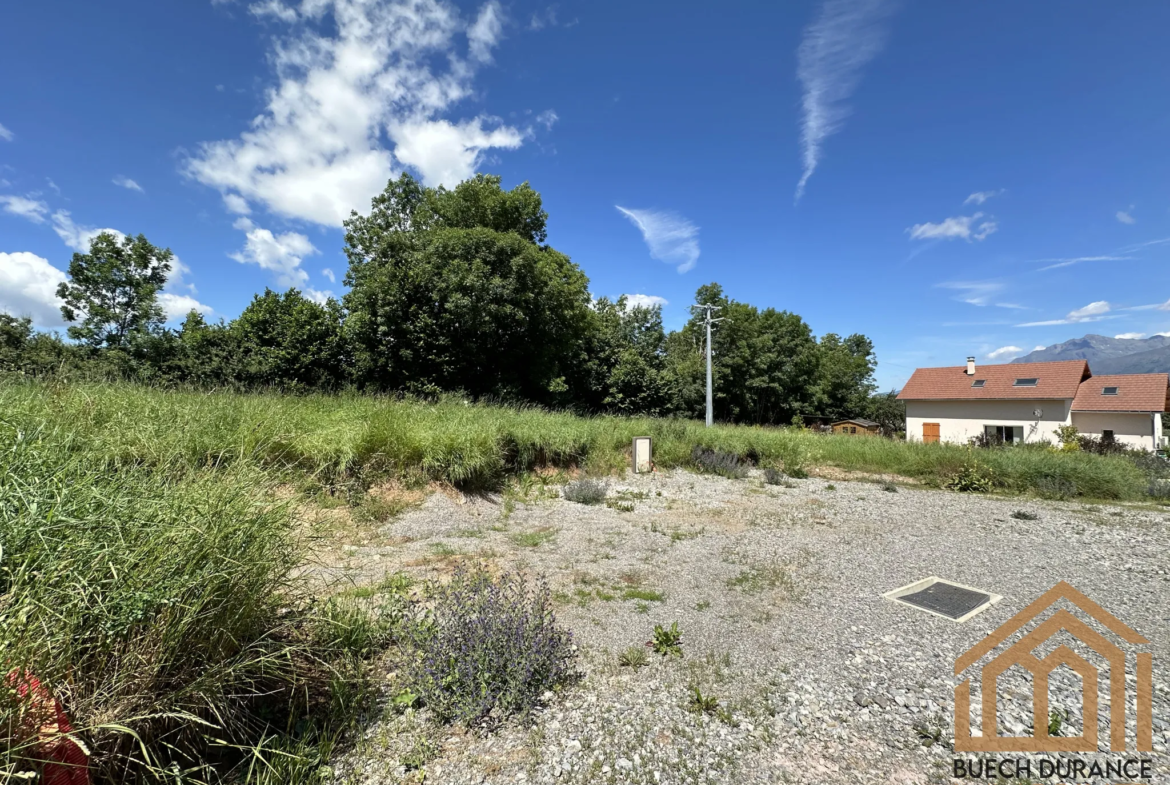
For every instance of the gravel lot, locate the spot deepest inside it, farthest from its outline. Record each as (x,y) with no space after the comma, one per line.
(777,592)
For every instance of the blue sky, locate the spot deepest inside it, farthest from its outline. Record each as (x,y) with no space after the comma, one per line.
(977,178)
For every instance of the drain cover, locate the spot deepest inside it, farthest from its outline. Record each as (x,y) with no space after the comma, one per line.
(944,598)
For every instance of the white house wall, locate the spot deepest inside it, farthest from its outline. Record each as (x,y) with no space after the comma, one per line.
(1136,429)
(959,421)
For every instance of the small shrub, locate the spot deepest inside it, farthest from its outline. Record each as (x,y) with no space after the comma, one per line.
(489,644)
(633,657)
(1159,489)
(773,476)
(700,703)
(725,464)
(586,492)
(1024,515)
(1102,446)
(667,641)
(889,487)
(830,487)
(796,472)
(1054,487)
(1056,720)
(620,506)
(972,478)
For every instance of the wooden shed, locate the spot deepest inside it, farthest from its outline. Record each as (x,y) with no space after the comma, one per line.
(856,427)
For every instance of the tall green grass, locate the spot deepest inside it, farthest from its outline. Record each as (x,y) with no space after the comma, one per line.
(157,606)
(350,438)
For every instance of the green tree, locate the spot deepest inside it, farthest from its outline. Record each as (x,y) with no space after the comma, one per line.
(14,335)
(113,290)
(625,351)
(452,290)
(285,340)
(887,411)
(845,379)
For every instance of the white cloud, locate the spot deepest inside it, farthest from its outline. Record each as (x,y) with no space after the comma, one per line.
(1125,217)
(671,238)
(548,118)
(973,292)
(28,287)
(541,20)
(126,182)
(644,300)
(1013,306)
(1040,348)
(979,197)
(329,274)
(962,227)
(1078,259)
(53,185)
(446,153)
(1130,336)
(1005,353)
(177,306)
(77,237)
(236,204)
(316,296)
(32,209)
(280,254)
(391,70)
(845,36)
(1093,312)
(5,134)
(486,31)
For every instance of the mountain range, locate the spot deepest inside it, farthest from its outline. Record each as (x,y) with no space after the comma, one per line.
(1109,355)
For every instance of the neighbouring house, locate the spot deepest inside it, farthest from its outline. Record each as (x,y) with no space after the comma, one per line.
(857,427)
(1026,402)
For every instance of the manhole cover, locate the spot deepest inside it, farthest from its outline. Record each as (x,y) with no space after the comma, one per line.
(944,598)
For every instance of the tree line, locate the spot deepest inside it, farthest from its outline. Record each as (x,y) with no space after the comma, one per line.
(452,291)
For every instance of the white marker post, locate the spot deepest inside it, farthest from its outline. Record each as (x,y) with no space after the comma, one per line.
(643,461)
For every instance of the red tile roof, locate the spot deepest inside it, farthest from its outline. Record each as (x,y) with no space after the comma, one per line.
(1055,381)
(1136,392)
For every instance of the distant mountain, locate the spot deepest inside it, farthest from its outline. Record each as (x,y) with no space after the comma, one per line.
(1109,355)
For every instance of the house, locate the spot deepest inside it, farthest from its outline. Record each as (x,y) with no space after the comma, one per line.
(857,427)
(1026,402)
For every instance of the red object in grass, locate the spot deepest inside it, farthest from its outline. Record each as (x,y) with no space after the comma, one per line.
(46,722)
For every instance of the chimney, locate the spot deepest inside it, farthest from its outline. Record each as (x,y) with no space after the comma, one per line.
(970,366)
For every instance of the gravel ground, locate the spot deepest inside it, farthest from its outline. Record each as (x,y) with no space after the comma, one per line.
(777,592)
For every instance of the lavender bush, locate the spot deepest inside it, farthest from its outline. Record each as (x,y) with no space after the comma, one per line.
(489,646)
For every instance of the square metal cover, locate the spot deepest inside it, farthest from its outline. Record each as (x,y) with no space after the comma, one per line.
(944,598)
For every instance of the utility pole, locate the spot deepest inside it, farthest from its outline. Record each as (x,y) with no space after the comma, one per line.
(708,312)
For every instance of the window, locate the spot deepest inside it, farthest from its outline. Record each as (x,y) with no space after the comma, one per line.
(1109,391)
(1106,436)
(852,429)
(1005,434)
(978,382)
(1026,382)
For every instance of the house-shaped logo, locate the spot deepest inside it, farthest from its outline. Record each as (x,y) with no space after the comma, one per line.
(1021,653)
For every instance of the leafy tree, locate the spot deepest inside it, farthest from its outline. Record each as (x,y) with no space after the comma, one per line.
(625,356)
(887,411)
(14,335)
(451,290)
(845,380)
(285,340)
(113,290)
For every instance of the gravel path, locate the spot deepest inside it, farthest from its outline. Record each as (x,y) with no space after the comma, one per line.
(777,592)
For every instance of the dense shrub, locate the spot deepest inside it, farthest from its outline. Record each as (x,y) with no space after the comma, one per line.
(773,476)
(489,647)
(971,478)
(1055,487)
(586,492)
(726,464)
(1102,446)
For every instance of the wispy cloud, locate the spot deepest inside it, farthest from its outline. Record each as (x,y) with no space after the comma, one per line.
(363,88)
(670,237)
(644,300)
(1005,353)
(1126,216)
(962,227)
(972,292)
(1057,263)
(26,207)
(127,183)
(979,197)
(1093,312)
(1013,306)
(845,36)
(5,134)
(548,118)
(329,274)
(1151,307)
(1130,336)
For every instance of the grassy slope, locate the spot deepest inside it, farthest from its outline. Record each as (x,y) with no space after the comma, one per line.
(338,437)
